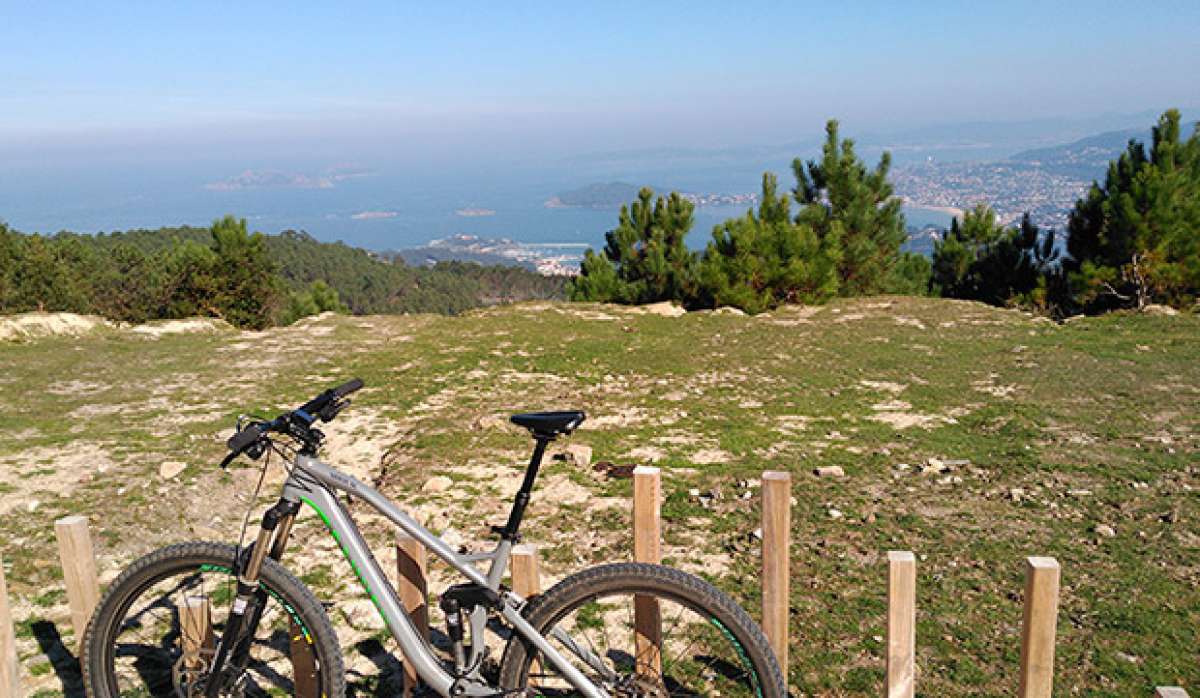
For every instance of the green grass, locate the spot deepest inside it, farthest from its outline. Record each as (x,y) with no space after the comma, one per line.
(1103,405)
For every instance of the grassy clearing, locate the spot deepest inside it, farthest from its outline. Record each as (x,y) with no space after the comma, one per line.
(1063,428)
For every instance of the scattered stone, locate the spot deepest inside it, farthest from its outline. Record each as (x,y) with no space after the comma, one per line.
(1105,531)
(170,469)
(360,614)
(1128,658)
(1016,494)
(1156,309)
(453,538)
(614,471)
(757,534)
(729,310)
(694,492)
(665,308)
(835,514)
(437,483)
(579,454)
(829,471)
(1079,493)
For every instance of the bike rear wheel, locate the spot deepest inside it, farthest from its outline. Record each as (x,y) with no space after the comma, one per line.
(644,630)
(150,634)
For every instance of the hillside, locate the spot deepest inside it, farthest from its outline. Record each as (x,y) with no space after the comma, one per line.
(1052,432)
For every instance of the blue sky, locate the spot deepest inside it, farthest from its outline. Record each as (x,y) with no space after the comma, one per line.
(559,76)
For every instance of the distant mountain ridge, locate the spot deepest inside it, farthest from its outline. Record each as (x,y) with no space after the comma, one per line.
(1085,158)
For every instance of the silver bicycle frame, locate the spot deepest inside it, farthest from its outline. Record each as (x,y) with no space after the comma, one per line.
(315,483)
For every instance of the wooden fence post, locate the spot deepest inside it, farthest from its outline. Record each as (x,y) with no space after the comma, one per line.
(195,629)
(411,564)
(1170,692)
(776,537)
(647,547)
(526,577)
(901,624)
(1040,622)
(10,670)
(79,571)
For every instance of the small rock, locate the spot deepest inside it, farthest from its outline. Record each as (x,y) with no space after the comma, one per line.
(1156,309)
(829,471)
(1105,531)
(32,505)
(1079,493)
(694,492)
(835,514)
(170,469)
(1128,658)
(1016,494)
(360,614)
(453,538)
(665,308)
(437,483)
(579,454)
(729,310)
(757,534)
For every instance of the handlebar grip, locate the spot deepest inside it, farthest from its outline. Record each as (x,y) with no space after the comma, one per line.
(241,440)
(348,387)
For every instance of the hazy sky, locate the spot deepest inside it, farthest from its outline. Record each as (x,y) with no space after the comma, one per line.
(564,77)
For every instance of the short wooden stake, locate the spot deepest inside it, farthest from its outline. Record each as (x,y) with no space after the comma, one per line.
(10,670)
(776,537)
(1040,623)
(1170,692)
(412,564)
(526,577)
(647,547)
(79,571)
(195,629)
(901,624)
(304,662)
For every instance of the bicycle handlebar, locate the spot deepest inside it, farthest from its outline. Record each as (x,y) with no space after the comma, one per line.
(324,407)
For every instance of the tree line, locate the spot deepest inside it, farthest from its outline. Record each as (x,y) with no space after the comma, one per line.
(1132,240)
(249,279)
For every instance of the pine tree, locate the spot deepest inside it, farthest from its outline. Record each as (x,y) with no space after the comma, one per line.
(1136,238)
(984,260)
(841,199)
(646,258)
(248,292)
(765,258)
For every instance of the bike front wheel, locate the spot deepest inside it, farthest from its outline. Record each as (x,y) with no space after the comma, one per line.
(157,629)
(643,630)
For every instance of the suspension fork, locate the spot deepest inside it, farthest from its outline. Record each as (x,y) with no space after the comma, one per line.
(251,598)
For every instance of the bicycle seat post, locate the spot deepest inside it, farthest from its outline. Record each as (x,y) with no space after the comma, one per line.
(510,531)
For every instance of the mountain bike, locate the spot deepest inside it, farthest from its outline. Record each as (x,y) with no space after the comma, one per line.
(205,619)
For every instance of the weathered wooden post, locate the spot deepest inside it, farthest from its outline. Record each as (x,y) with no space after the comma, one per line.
(901,624)
(776,537)
(411,564)
(647,547)
(1038,629)
(304,662)
(526,577)
(10,670)
(195,629)
(79,571)
(1170,692)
